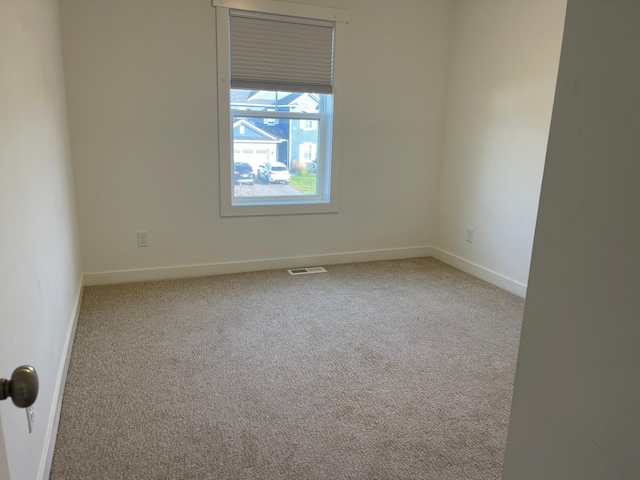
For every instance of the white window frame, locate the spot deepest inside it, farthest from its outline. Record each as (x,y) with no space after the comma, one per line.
(326,201)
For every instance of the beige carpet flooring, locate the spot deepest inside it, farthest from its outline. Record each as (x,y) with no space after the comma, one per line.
(382,370)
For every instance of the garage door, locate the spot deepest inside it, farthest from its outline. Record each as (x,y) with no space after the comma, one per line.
(252,155)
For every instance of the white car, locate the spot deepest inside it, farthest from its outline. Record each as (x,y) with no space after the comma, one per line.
(274,172)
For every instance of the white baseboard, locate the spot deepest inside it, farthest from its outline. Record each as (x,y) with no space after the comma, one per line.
(54,416)
(482,273)
(124,276)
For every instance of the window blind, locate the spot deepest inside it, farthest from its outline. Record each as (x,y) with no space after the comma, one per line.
(274,52)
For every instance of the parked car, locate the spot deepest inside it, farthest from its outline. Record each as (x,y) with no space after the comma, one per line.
(274,172)
(243,173)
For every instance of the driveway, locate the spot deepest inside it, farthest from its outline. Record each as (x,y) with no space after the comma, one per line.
(263,190)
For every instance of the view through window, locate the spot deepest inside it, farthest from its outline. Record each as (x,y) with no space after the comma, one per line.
(276,137)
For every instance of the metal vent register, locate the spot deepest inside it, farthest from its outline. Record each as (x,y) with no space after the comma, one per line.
(306,271)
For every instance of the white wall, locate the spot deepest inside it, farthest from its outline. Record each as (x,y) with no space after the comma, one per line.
(504,62)
(40,269)
(576,405)
(143,117)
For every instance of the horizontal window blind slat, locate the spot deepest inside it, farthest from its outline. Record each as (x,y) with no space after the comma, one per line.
(309,37)
(266,26)
(257,84)
(260,62)
(246,71)
(314,32)
(283,41)
(242,48)
(280,22)
(276,51)
(280,18)
(290,69)
(246,51)
(283,79)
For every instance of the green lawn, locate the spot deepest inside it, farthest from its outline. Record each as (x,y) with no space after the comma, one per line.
(305,184)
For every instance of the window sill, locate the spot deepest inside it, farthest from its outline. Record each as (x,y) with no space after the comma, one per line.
(254,210)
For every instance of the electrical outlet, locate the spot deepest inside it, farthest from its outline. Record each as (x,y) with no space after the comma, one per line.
(143,239)
(31,418)
(470,235)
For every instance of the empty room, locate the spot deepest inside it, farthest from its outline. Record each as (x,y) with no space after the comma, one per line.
(319,239)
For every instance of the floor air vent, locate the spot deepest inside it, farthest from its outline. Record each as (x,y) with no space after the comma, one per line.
(306,271)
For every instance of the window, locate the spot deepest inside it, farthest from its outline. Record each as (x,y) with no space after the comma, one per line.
(308,152)
(279,98)
(308,124)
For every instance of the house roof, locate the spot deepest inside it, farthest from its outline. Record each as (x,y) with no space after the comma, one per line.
(247,97)
(251,132)
(267,99)
(294,98)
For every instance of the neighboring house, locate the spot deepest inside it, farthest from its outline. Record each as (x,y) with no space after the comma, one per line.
(304,141)
(253,145)
(298,138)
